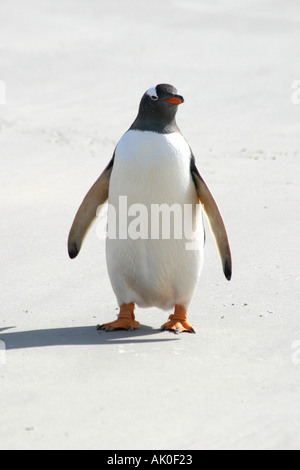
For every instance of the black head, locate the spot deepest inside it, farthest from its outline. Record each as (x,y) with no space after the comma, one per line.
(157,110)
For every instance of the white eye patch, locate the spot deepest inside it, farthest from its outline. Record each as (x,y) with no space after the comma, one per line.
(152,93)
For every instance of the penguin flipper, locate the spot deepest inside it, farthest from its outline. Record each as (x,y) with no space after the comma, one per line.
(87,211)
(215,219)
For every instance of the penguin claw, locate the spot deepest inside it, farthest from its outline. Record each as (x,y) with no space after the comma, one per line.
(177,324)
(103,327)
(125,321)
(179,330)
(120,324)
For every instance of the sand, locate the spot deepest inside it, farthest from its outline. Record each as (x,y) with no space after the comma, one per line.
(74,73)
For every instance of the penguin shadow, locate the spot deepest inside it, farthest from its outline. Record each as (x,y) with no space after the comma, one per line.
(80,336)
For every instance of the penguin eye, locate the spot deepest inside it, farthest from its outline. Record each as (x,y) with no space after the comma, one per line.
(154,98)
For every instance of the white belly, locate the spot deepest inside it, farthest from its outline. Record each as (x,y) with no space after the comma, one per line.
(153,265)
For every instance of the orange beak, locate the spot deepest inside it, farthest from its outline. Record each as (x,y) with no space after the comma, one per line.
(175,99)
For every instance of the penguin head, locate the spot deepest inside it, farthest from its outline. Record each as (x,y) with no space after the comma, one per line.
(161,102)
(158,108)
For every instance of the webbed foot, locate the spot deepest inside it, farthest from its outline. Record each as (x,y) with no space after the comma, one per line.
(126,320)
(178,322)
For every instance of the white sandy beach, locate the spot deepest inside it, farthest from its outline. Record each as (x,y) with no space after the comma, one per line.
(74,73)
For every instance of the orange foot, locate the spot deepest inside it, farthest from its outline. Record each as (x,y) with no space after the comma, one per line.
(178,322)
(125,321)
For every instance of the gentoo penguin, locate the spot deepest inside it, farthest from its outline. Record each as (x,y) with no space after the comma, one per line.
(153,166)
